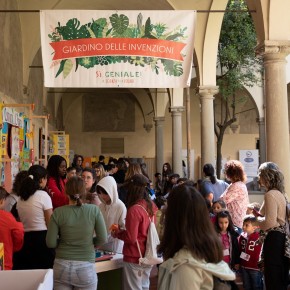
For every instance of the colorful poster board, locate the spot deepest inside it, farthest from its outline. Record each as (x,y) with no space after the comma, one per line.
(59,145)
(106,48)
(14,148)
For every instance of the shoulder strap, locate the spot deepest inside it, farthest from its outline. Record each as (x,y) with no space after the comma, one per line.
(145,211)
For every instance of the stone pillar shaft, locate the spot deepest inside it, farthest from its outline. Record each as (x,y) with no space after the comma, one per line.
(262,140)
(176,113)
(207,124)
(277,123)
(159,123)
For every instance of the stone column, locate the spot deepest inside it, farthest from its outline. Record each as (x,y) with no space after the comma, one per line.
(176,113)
(208,148)
(277,123)
(159,122)
(262,139)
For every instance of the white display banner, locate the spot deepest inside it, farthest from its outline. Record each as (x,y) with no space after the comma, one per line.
(250,160)
(146,49)
(11,116)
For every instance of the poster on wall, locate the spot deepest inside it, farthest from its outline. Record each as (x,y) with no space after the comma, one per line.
(106,48)
(59,145)
(12,145)
(15,152)
(250,160)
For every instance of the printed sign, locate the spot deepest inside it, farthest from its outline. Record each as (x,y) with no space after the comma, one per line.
(11,116)
(117,49)
(250,160)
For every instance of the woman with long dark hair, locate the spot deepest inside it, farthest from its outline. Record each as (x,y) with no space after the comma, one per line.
(190,246)
(134,168)
(140,208)
(212,188)
(11,200)
(271,220)
(89,176)
(166,184)
(34,208)
(56,169)
(78,161)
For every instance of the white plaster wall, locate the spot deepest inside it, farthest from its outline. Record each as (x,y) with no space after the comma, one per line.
(137,144)
(288,69)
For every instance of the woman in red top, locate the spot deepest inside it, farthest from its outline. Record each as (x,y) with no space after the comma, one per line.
(136,277)
(56,169)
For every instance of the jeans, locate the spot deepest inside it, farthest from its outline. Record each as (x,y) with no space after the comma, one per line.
(75,275)
(136,277)
(252,279)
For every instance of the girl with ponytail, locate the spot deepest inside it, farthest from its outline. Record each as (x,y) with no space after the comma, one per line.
(70,232)
(34,208)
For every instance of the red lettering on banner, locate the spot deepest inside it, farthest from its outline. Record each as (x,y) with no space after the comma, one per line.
(87,47)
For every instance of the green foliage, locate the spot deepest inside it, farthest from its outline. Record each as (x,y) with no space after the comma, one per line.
(73,30)
(236,52)
(118,26)
(97,27)
(148,29)
(119,23)
(172,67)
(238,66)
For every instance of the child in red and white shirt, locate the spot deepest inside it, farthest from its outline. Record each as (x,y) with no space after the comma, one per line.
(250,250)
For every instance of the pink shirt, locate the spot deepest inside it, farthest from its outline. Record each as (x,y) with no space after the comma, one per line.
(236,198)
(226,247)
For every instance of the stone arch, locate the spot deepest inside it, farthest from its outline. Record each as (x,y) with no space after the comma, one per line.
(269,17)
(145,104)
(35,90)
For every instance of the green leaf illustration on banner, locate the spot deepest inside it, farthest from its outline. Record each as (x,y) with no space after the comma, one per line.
(148,29)
(172,68)
(119,26)
(72,30)
(97,27)
(119,23)
(61,67)
(67,67)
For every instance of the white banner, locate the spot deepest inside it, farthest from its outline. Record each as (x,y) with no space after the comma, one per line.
(147,49)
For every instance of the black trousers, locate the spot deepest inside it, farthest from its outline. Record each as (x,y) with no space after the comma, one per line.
(34,253)
(275,263)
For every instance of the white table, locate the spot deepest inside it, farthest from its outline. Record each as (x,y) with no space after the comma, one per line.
(113,264)
(110,273)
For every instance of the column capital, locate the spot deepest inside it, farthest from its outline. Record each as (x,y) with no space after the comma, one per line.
(274,47)
(158,119)
(260,120)
(208,91)
(176,110)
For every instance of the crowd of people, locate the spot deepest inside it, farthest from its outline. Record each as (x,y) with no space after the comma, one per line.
(56,217)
